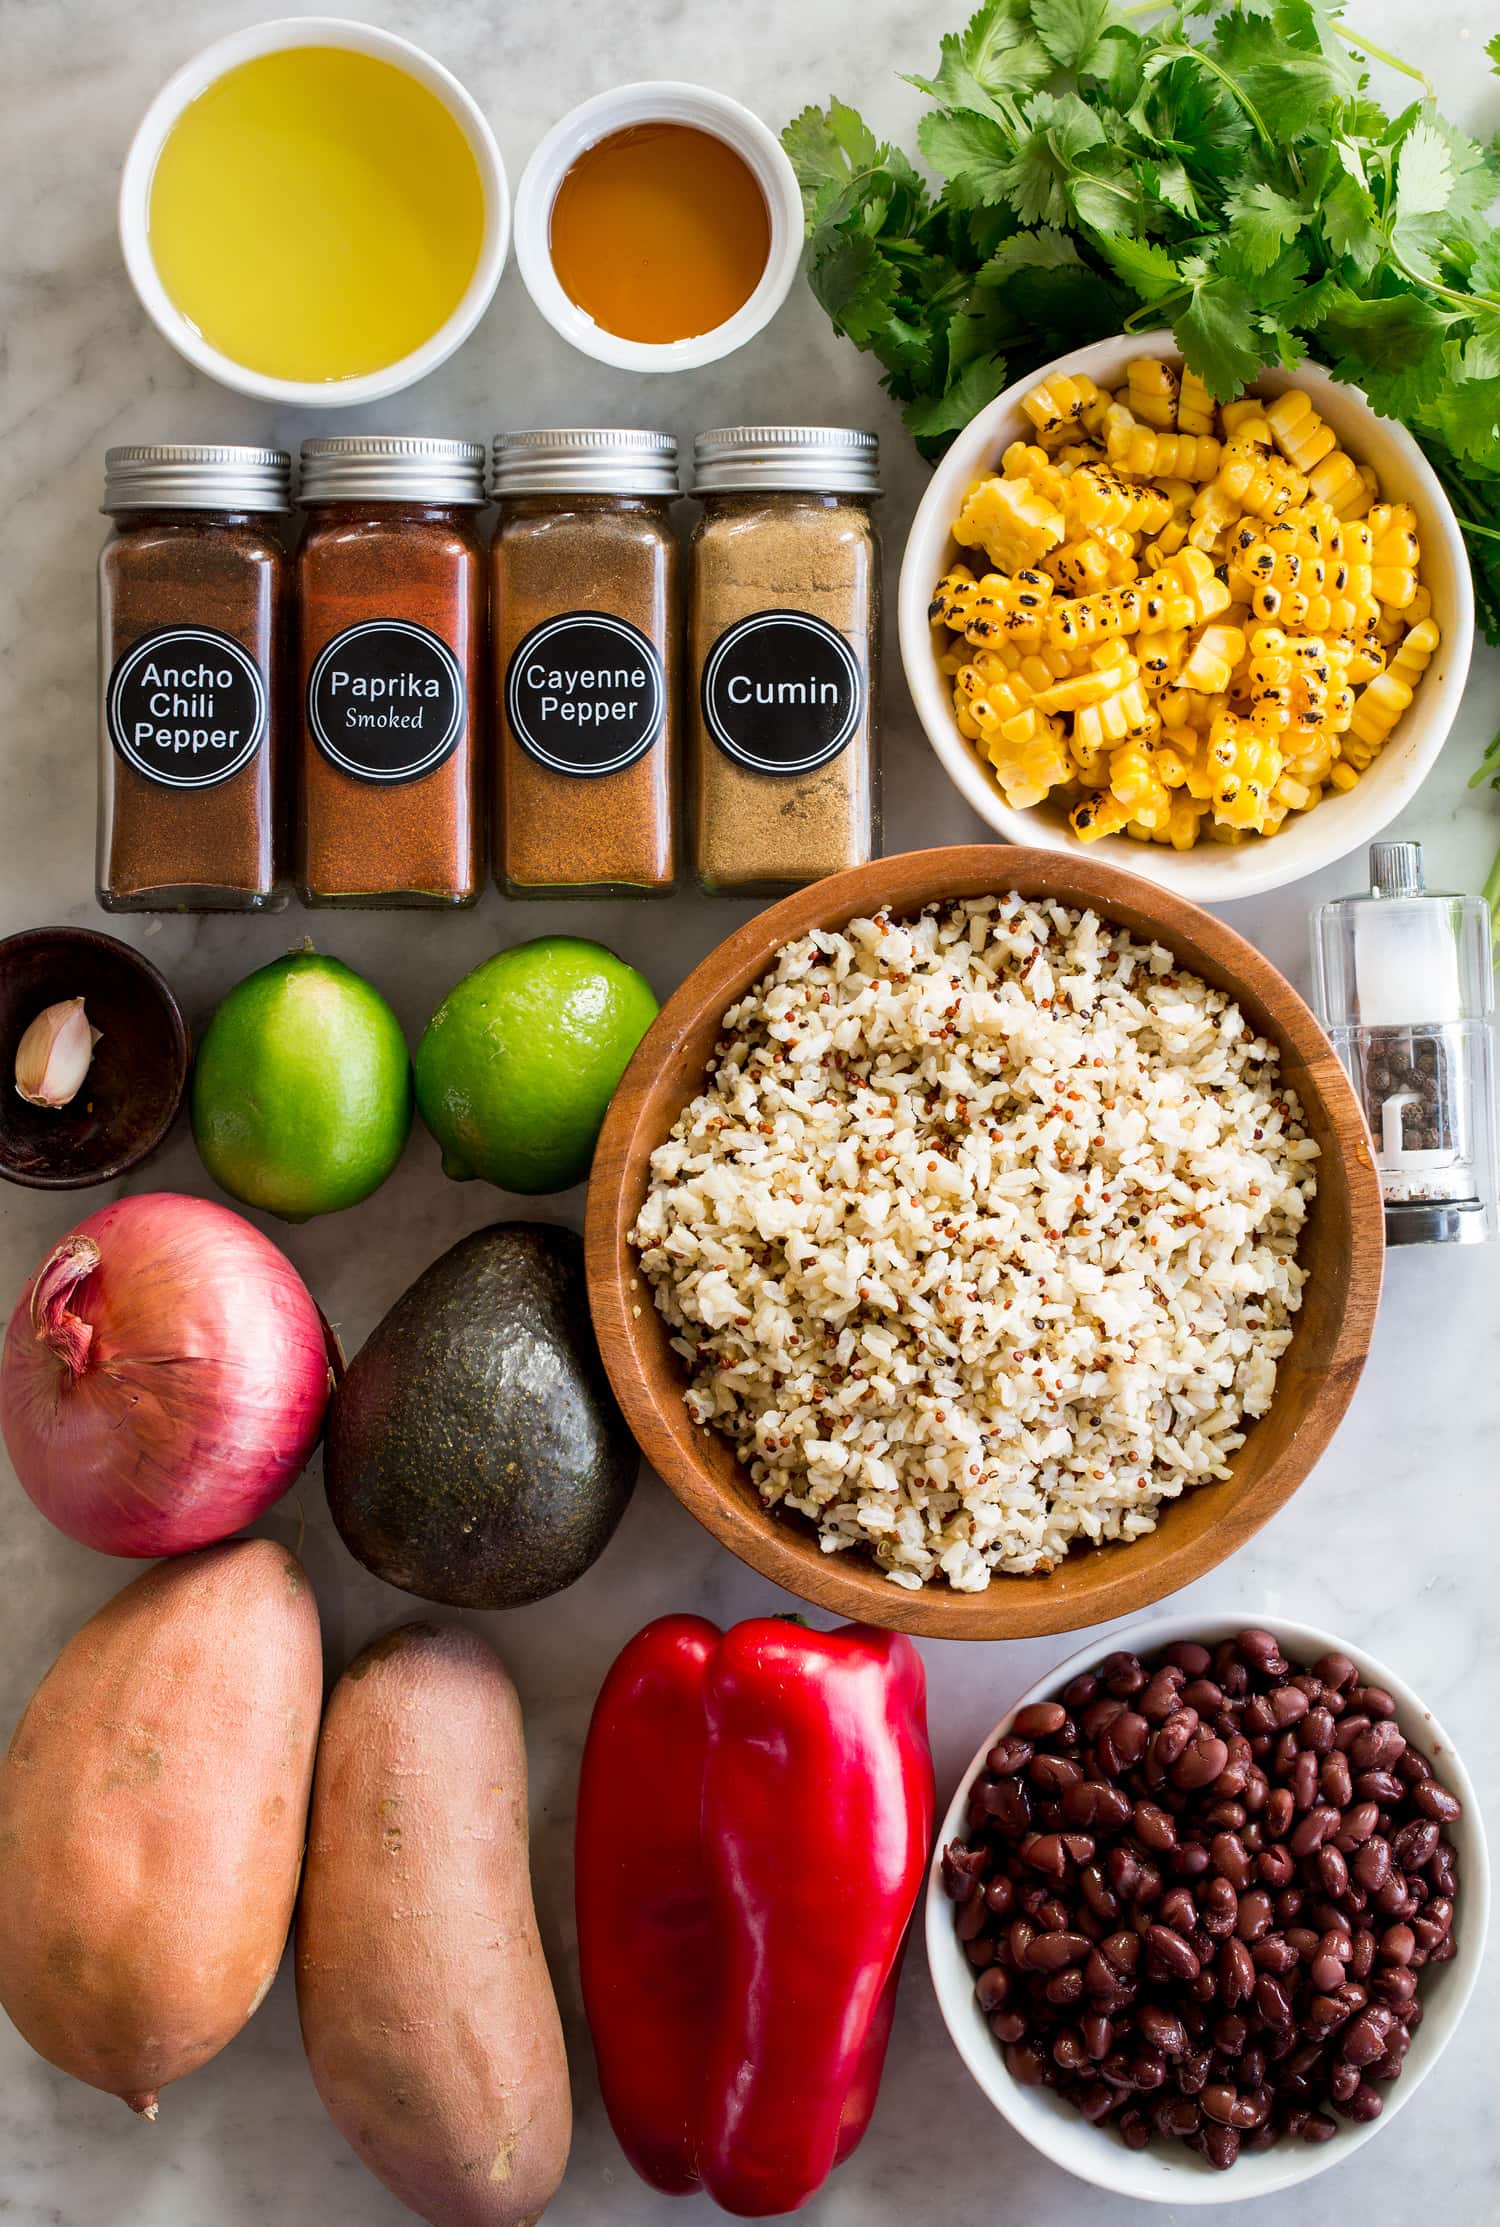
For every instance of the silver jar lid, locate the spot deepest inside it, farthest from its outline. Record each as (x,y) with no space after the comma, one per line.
(392,468)
(584,460)
(193,475)
(824,459)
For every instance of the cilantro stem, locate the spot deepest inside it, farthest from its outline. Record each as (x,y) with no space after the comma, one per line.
(1380,54)
(1484,304)
(1491,895)
(1181,50)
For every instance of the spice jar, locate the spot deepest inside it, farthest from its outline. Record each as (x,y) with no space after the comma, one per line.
(584,575)
(192,606)
(783,641)
(1405,984)
(391,609)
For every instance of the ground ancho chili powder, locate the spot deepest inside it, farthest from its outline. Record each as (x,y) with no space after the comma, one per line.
(192,610)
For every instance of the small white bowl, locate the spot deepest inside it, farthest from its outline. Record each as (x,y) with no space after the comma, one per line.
(247,46)
(1168,2173)
(661,102)
(1210,873)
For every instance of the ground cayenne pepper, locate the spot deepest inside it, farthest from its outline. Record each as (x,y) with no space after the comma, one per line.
(392,623)
(585,600)
(192,610)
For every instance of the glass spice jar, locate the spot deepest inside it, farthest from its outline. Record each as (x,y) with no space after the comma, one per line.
(783,648)
(192,610)
(391,601)
(585,595)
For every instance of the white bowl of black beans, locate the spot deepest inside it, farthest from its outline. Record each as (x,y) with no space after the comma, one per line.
(1207,1907)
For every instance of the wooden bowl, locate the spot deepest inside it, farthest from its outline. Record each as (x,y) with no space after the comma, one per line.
(1342,1246)
(134,1087)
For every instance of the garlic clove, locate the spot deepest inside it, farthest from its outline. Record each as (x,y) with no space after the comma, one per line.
(54,1055)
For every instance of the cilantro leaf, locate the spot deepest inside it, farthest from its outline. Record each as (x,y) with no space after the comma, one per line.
(973,153)
(934,417)
(1147,269)
(1062,128)
(1219,336)
(1261,223)
(1070,30)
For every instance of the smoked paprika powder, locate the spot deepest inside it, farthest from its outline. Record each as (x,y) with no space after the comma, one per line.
(192,612)
(587,625)
(391,606)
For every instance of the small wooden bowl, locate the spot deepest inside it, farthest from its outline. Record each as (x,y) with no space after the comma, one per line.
(1343,1247)
(134,1088)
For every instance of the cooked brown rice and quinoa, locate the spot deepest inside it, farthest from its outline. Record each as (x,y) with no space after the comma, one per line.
(979,1242)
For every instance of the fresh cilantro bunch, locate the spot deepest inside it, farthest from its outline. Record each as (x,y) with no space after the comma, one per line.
(1224,171)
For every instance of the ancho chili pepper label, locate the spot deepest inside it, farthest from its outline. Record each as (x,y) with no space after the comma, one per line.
(783,692)
(186,706)
(386,702)
(586,694)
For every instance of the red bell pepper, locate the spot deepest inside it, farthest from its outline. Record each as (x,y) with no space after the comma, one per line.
(754,1818)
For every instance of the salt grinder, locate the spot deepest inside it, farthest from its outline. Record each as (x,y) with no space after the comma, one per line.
(1405,985)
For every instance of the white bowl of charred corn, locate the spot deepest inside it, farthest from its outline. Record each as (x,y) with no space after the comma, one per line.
(1220,644)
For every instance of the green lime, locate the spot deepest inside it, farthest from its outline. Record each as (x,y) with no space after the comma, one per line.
(302,1088)
(522,1057)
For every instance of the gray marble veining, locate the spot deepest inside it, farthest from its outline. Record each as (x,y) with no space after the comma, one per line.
(1393,1541)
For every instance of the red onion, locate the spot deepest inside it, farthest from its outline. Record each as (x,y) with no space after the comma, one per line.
(164,1377)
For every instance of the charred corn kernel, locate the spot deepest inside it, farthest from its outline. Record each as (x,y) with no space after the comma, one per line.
(1125,712)
(1338,482)
(1377,708)
(1342,776)
(1195,405)
(1166,544)
(1264,485)
(1244,409)
(1366,658)
(1012,521)
(1245,767)
(1110,668)
(1291,794)
(1101,560)
(1298,431)
(1395,554)
(1212,659)
(1030,758)
(1419,608)
(1056,407)
(1097,498)
(1159,657)
(1099,814)
(1151,388)
(996,606)
(1146,454)
(1024,461)
(1415,654)
(1215,510)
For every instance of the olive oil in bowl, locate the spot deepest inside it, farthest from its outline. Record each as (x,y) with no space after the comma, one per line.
(316,214)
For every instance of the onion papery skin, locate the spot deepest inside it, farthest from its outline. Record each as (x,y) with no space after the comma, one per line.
(175,1390)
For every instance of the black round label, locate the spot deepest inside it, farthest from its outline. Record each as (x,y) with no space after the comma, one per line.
(186,706)
(586,693)
(782,692)
(385,701)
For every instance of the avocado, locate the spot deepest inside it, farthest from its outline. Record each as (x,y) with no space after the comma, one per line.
(475,1454)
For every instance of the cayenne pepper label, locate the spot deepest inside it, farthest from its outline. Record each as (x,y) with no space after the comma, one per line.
(386,701)
(186,706)
(586,694)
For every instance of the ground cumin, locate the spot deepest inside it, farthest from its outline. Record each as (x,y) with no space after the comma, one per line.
(585,595)
(392,622)
(192,612)
(783,644)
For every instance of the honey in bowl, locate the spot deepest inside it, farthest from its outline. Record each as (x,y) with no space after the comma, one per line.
(660,232)
(316,214)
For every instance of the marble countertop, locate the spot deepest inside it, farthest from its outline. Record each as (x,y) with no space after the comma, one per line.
(1393,1541)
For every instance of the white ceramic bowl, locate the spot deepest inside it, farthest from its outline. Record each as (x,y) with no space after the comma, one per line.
(1168,2173)
(662,102)
(1210,873)
(246,46)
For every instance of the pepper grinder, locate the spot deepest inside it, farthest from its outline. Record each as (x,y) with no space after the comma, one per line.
(1405,987)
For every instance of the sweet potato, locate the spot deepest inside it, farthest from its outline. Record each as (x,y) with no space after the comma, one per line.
(427,2010)
(152,1808)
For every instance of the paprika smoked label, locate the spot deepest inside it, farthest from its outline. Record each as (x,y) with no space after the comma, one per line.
(783,693)
(186,706)
(585,694)
(386,701)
